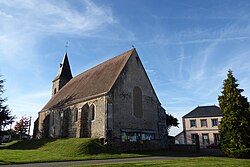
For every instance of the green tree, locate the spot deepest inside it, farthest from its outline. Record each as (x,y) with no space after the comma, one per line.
(171,121)
(5,113)
(234,127)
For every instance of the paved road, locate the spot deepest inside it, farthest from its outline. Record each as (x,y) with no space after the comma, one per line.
(92,162)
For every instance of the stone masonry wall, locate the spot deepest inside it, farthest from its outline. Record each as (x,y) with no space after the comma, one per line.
(132,76)
(63,122)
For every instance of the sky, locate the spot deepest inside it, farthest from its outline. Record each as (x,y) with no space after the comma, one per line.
(186,47)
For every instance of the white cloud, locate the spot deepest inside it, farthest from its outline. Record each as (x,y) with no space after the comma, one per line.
(49,16)
(209,40)
(3,14)
(30,103)
(25,23)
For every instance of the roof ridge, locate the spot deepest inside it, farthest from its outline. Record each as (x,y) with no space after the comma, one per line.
(204,111)
(209,106)
(97,65)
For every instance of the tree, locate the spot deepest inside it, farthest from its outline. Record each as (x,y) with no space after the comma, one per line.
(5,113)
(22,126)
(234,127)
(171,121)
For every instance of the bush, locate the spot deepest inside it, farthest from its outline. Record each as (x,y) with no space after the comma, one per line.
(238,153)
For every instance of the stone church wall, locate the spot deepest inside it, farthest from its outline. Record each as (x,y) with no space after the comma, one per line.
(75,120)
(96,127)
(63,122)
(132,76)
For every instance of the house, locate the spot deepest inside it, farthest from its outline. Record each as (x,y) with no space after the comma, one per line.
(114,101)
(202,123)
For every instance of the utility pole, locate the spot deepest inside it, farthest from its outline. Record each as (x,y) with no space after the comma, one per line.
(29,126)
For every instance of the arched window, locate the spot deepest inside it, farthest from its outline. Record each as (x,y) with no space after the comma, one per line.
(75,114)
(92,112)
(137,102)
(54,91)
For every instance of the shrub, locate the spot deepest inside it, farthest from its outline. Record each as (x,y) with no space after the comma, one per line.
(238,153)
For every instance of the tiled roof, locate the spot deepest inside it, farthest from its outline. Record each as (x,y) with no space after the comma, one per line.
(204,111)
(91,83)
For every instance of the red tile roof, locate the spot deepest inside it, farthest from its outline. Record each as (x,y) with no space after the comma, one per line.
(91,83)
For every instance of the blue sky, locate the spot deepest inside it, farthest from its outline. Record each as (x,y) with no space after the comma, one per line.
(186,47)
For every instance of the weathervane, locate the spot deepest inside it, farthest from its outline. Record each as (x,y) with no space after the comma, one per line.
(66,46)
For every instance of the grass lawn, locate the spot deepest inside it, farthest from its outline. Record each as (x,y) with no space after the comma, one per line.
(190,162)
(29,156)
(48,150)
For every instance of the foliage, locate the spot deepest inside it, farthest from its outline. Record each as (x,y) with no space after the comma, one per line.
(5,113)
(22,125)
(238,153)
(171,121)
(235,125)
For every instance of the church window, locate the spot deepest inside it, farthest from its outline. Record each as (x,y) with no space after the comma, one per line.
(137,102)
(92,112)
(75,115)
(54,91)
(52,118)
(110,116)
(138,61)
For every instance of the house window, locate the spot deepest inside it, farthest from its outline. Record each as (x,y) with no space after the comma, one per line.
(194,138)
(92,112)
(192,123)
(214,122)
(75,115)
(203,123)
(205,139)
(216,138)
(137,102)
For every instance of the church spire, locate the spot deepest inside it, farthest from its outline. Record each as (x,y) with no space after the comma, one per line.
(63,76)
(64,69)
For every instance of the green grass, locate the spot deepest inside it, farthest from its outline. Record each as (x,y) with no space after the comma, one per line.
(190,162)
(46,150)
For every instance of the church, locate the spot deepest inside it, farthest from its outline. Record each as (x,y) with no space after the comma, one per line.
(113,101)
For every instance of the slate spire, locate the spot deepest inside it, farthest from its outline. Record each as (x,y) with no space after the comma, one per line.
(64,69)
(63,76)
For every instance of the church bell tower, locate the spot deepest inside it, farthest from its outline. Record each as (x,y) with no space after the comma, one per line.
(63,76)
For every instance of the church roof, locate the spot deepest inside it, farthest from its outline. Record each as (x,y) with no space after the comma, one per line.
(64,70)
(204,111)
(92,83)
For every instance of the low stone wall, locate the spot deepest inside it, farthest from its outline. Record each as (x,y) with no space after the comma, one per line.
(136,146)
(184,147)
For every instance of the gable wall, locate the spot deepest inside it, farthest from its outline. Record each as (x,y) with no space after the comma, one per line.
(122,98)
